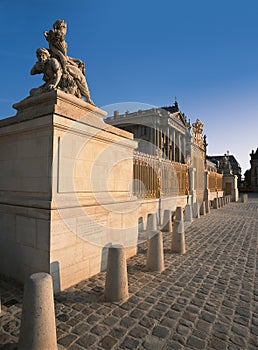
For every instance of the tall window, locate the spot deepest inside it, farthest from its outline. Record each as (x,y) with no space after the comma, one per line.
(256,170)
(143,130)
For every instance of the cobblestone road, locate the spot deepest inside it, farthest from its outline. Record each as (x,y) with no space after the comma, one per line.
(205,299)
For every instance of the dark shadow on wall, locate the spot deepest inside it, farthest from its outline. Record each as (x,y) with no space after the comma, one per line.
(104,257)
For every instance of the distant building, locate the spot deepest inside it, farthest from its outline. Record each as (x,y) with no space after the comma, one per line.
(233,165)
(165,129)
(254,170)
(166,133)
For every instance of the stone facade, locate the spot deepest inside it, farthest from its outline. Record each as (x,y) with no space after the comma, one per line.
(234,165)
(157,130)
(166,132)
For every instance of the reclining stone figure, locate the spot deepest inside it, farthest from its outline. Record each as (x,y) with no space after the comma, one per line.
(60,70)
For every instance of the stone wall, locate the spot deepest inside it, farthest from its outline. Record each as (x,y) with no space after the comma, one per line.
(65,189)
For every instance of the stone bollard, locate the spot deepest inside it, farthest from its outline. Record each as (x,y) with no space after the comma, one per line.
(196,211)
(244,198)
(38,325)
(178,239)
(179,214)
(140,225)
(215,203)
(188,213)
(203,209)
(208,209)
(167,223)
(178,235)
(116,286)
(151,223)
(155,254)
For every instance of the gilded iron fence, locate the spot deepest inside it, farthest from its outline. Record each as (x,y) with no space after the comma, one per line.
(215,182)
(156,177)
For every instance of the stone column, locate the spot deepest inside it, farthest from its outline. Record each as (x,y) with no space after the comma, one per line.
(206,190)
(192,172)
(174,146)
(179,148)
(167,139)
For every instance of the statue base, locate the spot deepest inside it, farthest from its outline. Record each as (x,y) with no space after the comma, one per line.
(64,186)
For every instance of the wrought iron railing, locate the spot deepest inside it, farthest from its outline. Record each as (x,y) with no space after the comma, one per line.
(215,182)
(156,177)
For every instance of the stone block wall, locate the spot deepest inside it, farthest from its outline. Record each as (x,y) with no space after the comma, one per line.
(65,189)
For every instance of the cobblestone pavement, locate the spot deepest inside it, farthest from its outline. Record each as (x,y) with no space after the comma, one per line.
(205,299)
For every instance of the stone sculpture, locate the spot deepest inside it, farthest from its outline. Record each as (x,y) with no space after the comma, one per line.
(59,70)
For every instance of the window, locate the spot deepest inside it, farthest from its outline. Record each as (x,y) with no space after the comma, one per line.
(143,131)
(256,170)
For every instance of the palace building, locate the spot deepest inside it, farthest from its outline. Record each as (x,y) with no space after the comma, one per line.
(167,136)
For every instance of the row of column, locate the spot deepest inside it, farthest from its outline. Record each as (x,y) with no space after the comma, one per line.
(173,143)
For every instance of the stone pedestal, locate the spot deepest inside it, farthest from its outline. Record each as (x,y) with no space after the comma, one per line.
(64,186)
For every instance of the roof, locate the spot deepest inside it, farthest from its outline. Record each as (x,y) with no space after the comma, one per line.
(234,163)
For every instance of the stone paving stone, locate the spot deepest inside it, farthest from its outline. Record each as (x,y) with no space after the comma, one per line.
(160,332)
(67,340)
(130,343)
(196,343)
(86,340)
(204,299)
(138,332)
(118,332)
(108,342)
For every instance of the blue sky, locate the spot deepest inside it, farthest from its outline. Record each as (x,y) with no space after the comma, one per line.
(203,52)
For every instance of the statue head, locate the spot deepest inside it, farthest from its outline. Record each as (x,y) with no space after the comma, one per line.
(42,54)
(61,25)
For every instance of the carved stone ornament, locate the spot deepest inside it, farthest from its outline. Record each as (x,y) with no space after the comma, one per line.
(59,70)
(225,166)
(197,129)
